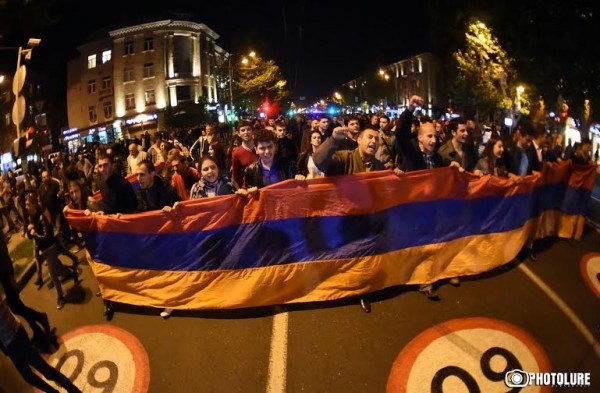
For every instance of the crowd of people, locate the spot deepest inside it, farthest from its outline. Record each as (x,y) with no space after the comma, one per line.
(204,162)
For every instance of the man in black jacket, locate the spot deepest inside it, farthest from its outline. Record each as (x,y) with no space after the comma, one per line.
(153,194)
(117,193)
(417,153)
(268,169)
(117,197)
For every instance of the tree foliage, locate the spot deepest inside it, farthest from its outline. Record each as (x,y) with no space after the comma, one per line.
(255,82)
(485,77)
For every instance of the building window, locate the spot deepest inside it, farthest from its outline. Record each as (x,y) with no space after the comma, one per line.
(129,77)
(130,101)
(91,87)
(128,48)
(148,70)
(106,83)
(150,99)
(184,93)
(148,43)
(107,110)
(182,56)
(106,56)
(91,62)
(93,114)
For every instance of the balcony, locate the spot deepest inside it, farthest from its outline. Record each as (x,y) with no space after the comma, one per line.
(104,93)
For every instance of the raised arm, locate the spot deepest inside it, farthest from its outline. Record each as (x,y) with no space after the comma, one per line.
(324,157)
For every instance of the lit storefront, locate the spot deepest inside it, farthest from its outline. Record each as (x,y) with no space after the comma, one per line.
(141,123)
(109,133)
(6,162)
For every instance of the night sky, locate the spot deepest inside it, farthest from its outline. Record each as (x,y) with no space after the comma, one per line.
(318,44)
(321,44)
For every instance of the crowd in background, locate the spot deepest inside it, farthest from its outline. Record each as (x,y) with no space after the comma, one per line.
(210,160)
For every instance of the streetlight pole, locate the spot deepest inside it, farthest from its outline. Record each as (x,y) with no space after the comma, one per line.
(251,54)
(230,87)
(19,81)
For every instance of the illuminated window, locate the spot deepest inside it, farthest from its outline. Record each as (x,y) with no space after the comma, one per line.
(93,114)
(128,77)
(148,43)
(108,110)
(128,48)
(148,70)
(106,56)
(91,62)
(130,101)
(150,98)
(91,87)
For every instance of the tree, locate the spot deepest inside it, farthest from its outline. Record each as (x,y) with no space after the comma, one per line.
(485,76)
(256,82)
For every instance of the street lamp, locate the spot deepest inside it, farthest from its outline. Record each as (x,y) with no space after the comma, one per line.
(244,61)
(18,112)
(386,77)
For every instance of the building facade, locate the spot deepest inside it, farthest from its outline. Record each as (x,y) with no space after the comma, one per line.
(397,82)
(120,86)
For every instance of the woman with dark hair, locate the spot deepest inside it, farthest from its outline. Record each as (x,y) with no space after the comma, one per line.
(491,161)
(39,228)
(212,182)
(217,151)
(306,168)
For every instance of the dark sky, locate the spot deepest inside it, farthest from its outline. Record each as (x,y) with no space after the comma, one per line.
(318,44)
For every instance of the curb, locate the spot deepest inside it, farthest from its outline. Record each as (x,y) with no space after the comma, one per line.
(26,275)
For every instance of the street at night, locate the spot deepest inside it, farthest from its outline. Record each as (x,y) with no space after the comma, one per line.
(299,196)
(336,347)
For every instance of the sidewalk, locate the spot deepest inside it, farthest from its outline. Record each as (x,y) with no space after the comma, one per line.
(21,252)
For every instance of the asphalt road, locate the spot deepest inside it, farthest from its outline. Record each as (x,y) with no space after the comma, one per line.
(536,316)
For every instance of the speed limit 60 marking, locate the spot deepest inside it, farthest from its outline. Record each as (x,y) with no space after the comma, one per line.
(467,355)
(103,358)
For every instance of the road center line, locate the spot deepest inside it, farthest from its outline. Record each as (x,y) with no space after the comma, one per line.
(589,337)
(276,380)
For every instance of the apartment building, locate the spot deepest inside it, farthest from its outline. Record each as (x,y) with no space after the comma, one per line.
(120,85)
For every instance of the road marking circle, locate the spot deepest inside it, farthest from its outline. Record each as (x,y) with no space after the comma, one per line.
(590,271)
(103,358)
(466,355)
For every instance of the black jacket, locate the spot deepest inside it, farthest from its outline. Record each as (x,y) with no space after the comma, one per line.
(286,149)
(49,197)
(512,158)
(6,263)
(44,232)
(412,156)
(157,196)
(253,174)
(117,195)
(536,164)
